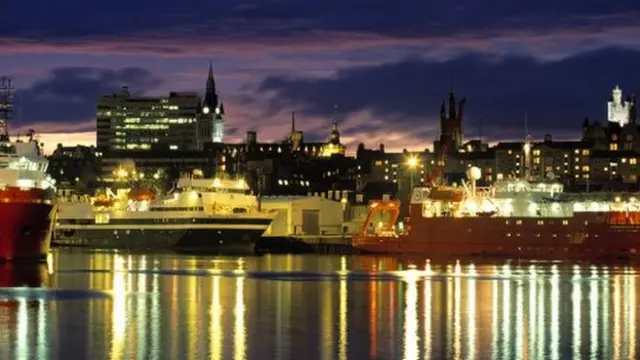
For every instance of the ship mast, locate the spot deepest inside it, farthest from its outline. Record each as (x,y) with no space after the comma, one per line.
(6,106)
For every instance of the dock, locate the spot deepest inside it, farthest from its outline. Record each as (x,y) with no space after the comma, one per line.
(304,244)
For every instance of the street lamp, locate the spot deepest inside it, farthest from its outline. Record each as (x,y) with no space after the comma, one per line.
(412,163)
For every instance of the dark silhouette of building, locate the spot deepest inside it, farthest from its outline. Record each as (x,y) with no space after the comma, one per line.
(451,135)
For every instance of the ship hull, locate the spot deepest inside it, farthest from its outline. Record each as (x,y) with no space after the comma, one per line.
(583,236)
(26,229)
(239,239)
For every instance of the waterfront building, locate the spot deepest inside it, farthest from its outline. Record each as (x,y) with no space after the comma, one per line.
(181,121)
(129,122)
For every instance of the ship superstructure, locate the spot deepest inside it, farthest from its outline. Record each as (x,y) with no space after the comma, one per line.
(27,193)
(207,214)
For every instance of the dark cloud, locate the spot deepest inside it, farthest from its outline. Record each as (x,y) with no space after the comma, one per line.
(69,95)
(555,96)
(50,19)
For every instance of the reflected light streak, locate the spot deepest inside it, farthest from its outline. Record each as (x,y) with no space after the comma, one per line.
(494,314)
(617,298)
(215,326)
(631,307)
(119,311)
(373,319)
(457,337)
(576,302)
(155,314)
(411,351)
(471,313)
(42,330)
(506,313)
(328,333)
(555,312)
(22,336)
(605,300)
(239,329)
(593,316)
(427,317)
(519,319)
(541,311)
(533,287)
(342,312)
(141,309)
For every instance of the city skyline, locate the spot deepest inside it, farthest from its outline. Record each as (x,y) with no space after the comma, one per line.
(387,68)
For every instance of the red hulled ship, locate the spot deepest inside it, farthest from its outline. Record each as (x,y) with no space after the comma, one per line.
(27,194)
(27,202)
(514,218)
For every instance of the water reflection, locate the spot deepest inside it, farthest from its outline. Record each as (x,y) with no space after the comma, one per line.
(173,307)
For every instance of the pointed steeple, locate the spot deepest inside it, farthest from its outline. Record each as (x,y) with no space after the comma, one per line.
(452,104)
(210,97)
(211,83)
(443,110)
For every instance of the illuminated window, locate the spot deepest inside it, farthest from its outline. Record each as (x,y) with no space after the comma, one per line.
(624,160)
(632,161)
(536,160)
(585,152)
(378,163)
(613,147)
(577,151)
(536,152)
(585,168)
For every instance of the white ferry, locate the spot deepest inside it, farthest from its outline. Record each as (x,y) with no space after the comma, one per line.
(208,215)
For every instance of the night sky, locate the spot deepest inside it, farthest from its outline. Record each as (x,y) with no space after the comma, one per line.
(387,65)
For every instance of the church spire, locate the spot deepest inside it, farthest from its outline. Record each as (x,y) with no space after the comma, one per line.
(211,97)
(452,104)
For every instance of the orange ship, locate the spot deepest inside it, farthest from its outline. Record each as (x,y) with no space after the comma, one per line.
(27,201)
(514,218)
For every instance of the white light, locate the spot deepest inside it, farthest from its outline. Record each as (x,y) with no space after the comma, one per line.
(205,110)
(25,183)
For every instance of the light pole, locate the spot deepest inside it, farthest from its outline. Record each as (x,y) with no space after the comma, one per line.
(412,163)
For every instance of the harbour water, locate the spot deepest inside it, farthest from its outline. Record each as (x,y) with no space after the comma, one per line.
(109,305)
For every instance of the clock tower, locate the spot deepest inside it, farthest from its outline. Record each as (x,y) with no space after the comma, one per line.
(213,109)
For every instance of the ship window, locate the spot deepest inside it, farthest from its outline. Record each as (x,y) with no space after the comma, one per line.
(540,222)
(102,218)
(519,222)
(565,222)
(506,222)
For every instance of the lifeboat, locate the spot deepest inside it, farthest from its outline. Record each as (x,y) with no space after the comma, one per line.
(103,201)
(141,194)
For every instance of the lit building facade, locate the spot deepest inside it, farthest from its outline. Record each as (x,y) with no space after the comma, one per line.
(126,122)
(620,110)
